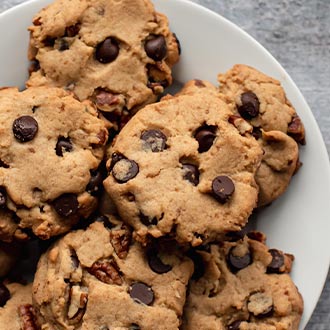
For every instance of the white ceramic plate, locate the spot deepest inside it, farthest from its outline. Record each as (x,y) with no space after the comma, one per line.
(299,221)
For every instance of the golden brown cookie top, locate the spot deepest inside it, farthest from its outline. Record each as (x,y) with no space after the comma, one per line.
(101,279)
(180,167)
(51,147)
(117,53)
(242,284)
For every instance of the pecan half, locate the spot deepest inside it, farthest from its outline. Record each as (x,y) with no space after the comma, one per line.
(106,271)
(26,315)
(121,240)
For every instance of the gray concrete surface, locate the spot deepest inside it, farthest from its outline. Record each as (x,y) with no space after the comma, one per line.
(297,33)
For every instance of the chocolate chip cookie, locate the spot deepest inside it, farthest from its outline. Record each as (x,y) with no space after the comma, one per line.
(117,53)
(181,168)
(261,101)
(242,285)
(16,311)
(51,146)
(100,279)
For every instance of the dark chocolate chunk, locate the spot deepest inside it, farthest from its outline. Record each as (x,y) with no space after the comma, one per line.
(236,263)
(25,128)
(142,293)
(4,295)
(222,188)
(234,325)
(107,51)
(115,157)
(250,105)
(156,264)
(94,186)
(147,221)
(277,261)
(125,170)
(205,136)
(66,205)
(191,173)
(156,47)
(63,144)
(199,266)
(154,140)
(134,326)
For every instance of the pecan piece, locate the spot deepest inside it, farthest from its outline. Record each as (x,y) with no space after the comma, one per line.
(106,271)
(77,303)
(296,130)
(121,240)
(26,315)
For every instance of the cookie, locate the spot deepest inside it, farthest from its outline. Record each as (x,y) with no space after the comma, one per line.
(261,101)
(51,146)
(180,168)
(242,285)
(16,311)
(100,279)
(117,53)
(9,254)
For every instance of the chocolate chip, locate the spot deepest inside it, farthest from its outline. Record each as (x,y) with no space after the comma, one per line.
(115,157)
(25,128)
(73,30)
(94,186)
(154,140)
(199,266)
(4,295)
(191,173)
(3,197)
(3,164)
(125,170)
(66,205)
(134,326)
(205,136)
(34,66)
(107,51)
(236,263)
(156,264)
(277,261)
(63,144)
(250,105)
(234,325)
(142,293)
(147,221)
(156,48)
(222,188)
(63,45)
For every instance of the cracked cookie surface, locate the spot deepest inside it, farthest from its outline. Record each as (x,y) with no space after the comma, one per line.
(100,279)
(242,285)
(51,146)
(180,167)
(117,53)
(261,100)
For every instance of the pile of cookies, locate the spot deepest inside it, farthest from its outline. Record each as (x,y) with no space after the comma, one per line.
(136,201)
